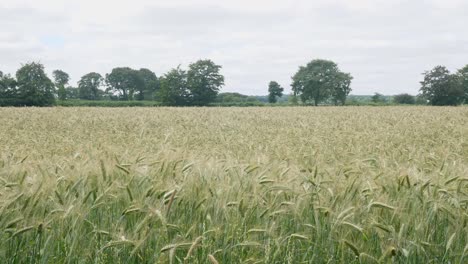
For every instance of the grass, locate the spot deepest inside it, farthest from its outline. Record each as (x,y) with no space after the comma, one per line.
(234,185)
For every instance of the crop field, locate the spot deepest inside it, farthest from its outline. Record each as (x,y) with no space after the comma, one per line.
(234,185)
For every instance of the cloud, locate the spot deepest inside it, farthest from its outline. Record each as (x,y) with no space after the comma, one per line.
(384,44)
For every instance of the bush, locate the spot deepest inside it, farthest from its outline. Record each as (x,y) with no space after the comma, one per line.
(404,99)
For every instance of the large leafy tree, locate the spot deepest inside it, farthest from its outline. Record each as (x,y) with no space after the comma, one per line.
(61,79)
(319,80)
(440,87)
(148,84)
(88,86)
(274,90)
(124,81)
(34,87)
(204,81)
(174,90)
(463,75)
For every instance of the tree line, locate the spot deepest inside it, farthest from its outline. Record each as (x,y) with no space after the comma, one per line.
(198,85)
(318,82)
(322,82)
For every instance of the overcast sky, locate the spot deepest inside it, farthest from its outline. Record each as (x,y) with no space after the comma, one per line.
(384,44)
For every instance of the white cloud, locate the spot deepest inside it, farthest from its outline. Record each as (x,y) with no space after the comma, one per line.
(384,44)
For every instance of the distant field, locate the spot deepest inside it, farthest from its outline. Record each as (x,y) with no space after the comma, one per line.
(234,185)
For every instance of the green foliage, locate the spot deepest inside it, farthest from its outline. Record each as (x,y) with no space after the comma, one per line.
(174,90)
(404,99)
(203,82)
(321,80)
(274,90)
(107,103)
(8,91)
(7,86)
(341,87)
(442,88)
(88,86)
(199,86)
(34,88)
(236,99)
(61,79)
(125,82)
(420,100)
(148,85)
(62,93)
(231,98)
(72,92)
(463,75)
(378,98)
(292,99)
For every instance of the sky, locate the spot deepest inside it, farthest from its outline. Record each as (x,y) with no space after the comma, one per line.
(385,44)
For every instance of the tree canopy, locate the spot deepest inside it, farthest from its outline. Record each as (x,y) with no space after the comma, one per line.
(61,79)
(129,84)
(404,99)
(88,86)
(274,90)
(174,90)
(148,84)
(321,80)
(197,86)
(440,87)
(378,98)
(7,86)
(33,85)
(123,81)
(318,82)
(204,82)
(463,75)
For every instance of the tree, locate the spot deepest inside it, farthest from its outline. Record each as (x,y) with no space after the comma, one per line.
(420,100)
(88,86)
(7,86)
(274,90)
(61,79)
(341,87)
(204,82)
(174,90)
(378,98)
(463,75)
(148,84)
(72,92)
(8,90)
(292,99)
(34,87)
(319,80)
(404,99)
(440,87)
(124,81)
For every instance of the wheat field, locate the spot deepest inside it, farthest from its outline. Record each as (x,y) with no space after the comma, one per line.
(234,185)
